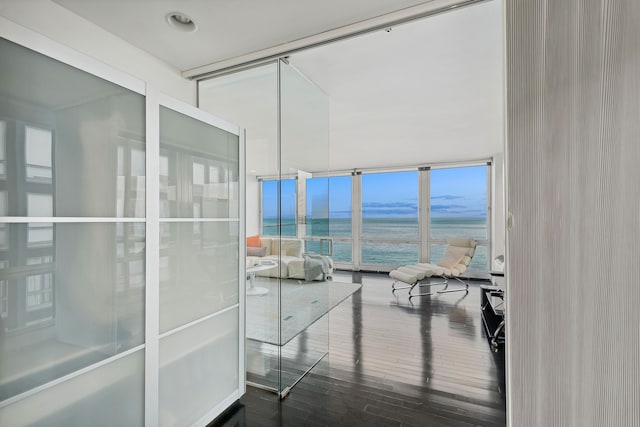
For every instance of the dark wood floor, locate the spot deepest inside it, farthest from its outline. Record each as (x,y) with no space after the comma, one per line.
(392,363)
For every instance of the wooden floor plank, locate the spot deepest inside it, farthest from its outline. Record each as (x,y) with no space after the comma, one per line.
(392,362)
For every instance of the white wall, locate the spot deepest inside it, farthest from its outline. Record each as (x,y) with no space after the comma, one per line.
(62,26)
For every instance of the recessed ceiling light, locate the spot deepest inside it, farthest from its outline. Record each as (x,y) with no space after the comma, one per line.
(181,22)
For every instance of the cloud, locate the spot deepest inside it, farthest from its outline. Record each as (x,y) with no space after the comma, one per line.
(446,197)
(386,209)
(447,208)
(462,211)
(384,205)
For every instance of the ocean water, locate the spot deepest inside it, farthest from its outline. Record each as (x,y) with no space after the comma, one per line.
(395,228)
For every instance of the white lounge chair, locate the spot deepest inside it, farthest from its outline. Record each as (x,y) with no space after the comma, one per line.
(456,260)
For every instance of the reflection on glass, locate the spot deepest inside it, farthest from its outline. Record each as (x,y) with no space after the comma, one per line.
(38,154)
(80,142)
(197,164)
(4,294)
(68,298)
(338,223)
(40,234)
(287,211)
(198,270)
(3,155)
(39,204)
(3,227)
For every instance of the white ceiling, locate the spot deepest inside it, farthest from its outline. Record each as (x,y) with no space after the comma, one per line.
(428,91)
(227,28)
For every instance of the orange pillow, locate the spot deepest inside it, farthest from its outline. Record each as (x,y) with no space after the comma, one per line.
(253,241)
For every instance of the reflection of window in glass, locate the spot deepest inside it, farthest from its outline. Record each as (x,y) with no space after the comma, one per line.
(37,260)
(38,154)
(4,242)
(120,190)
(136,274)
(167,194)
(40,234)
(214,175)
(4,292)
(330,214)
(4,204)
(39,291)
(39,204)
(166,240)
(165,268)
(138,230)
(4,298)
(137,162)
(198,173)
(137,190)
(4,211)
(164,166)
(3,140)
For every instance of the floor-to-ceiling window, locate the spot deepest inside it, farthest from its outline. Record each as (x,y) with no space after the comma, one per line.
(390,232)
(458,208)
(453,200)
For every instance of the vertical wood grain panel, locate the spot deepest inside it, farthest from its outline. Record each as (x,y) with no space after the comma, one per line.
(573,159)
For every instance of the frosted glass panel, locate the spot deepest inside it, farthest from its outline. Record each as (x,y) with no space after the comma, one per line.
(198,368)
(198,270)
(39,204)
(83,146)
(3,155)
(199,161)
(37,147)
(111,395)
(73,294)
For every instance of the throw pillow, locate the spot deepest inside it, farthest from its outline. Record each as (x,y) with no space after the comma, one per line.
(253,241)
(253,251)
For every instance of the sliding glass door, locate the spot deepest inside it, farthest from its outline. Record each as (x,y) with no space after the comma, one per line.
(304,297)
(120,230)
(288,251)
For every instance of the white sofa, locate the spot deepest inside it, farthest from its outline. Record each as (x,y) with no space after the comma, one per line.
(291,261)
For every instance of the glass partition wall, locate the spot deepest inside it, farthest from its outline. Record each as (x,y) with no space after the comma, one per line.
(286,121)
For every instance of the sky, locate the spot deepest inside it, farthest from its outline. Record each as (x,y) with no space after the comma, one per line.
(455,192)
